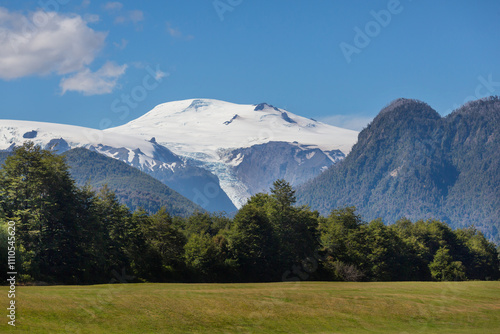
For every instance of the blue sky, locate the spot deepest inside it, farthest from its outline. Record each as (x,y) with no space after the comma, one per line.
(102,64)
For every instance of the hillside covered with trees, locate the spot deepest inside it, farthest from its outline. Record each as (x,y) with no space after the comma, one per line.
(73,235)
(131,186)
(411,162)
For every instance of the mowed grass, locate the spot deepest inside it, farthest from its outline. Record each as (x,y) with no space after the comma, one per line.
(305,307)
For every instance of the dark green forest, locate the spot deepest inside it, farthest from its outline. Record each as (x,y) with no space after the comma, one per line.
(66,234)
(134,188)
(411,162)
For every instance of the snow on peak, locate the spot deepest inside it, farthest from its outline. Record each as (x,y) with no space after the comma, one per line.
(205,126)
(42,134)
(264,106)
(60,137)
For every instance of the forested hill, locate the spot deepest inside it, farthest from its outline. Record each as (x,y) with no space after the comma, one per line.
(411,162)
(132,187)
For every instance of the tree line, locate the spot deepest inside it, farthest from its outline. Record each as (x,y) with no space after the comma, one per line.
(76,235)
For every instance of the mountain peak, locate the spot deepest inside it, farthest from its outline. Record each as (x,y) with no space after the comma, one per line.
(204,126)
(263,106)
(407,108)
(490,104)
(401,118)
(404,103)
(198,103)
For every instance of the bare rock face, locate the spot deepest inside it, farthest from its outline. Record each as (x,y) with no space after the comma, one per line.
(259,166)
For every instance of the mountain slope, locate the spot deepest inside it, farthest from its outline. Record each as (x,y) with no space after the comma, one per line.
(132,187)
(473,138)
(260,165)
(411,162)
(224,137)
(148,156)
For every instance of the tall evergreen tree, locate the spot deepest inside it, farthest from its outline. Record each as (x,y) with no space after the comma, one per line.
(37,192)
(254,244)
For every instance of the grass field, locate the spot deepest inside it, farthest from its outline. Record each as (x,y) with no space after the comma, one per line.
(306,307)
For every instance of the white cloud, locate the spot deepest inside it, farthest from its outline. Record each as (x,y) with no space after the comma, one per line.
(159,74)
(122,45)
(347,121)
(134,16)
(121,17)
(91,18)
(103,81)
(173,31)
(85,3)
(176,33)
(45,42)
(113,6)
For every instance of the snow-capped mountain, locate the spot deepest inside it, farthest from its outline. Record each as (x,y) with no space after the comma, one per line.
(215,153)
(246,146)
(61,137)
(203,127)
(147,156)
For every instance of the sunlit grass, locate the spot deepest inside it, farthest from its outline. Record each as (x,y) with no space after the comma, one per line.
(306,307)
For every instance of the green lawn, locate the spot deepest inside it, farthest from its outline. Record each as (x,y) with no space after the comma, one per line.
(306,307)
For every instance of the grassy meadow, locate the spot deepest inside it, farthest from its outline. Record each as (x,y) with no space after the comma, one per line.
(304,307)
